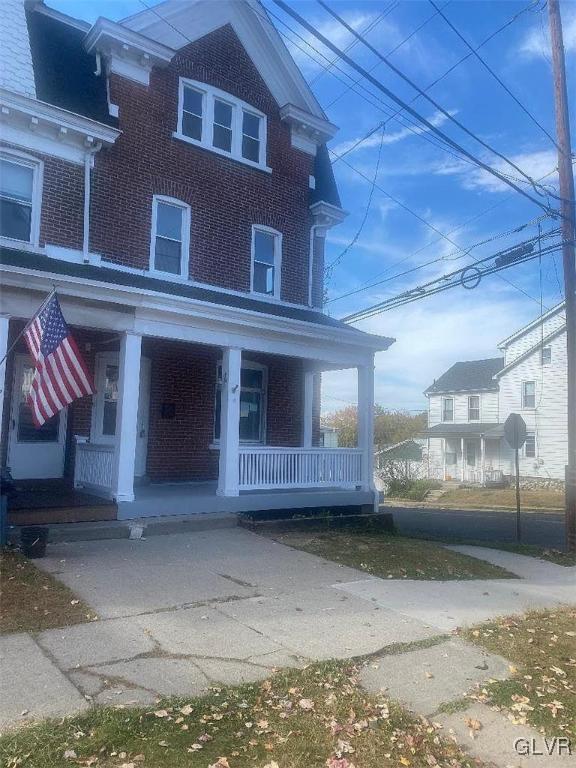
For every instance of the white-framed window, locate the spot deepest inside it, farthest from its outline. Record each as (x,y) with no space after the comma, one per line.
(546,355)
(20,197)
(474,408)
(530,446)
(447,409)
(221,123)
(170,240)
(528,394)
(266,260)
(253,397)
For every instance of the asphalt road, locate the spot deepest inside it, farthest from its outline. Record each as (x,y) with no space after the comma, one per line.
(545,530)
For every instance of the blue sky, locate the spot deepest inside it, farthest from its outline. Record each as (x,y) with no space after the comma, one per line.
(443,191)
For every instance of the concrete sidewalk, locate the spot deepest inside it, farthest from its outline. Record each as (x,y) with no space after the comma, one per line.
(179,613)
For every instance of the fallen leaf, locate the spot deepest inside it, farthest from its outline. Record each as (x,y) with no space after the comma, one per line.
(186,710)
(473,725)
(306,704)
(69,754)
(161,713)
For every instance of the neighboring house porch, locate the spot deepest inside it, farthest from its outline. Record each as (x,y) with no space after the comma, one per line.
(470,453)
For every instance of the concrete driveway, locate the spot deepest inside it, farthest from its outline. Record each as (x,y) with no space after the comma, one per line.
(178,613)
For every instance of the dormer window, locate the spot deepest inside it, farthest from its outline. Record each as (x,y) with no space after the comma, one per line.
(221,123)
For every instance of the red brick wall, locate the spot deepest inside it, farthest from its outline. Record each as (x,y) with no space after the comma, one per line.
(226,197)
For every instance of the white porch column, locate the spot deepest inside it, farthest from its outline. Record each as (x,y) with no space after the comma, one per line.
(228,479)
(482,459)
(443,458)
(4,323)
(308,406)
(366,423)
(463,468)
(127,417)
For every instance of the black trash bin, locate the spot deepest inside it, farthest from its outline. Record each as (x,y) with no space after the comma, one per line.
(33,541)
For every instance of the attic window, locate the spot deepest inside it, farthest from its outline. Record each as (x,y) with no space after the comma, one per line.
(221,123)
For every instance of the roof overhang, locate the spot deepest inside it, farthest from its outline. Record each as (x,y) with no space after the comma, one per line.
(462,430)
(327,215)
(49,129)
(127,53)
(307,130)
(534,324)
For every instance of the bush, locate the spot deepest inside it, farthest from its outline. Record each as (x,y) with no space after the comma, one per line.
(415,490)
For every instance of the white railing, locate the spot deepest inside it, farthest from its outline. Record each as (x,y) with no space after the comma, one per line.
(264,467)
(93,467)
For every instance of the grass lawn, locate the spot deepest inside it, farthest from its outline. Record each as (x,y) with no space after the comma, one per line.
(31,600)
(391,557)
(541,646)
(503,498)
(315,718)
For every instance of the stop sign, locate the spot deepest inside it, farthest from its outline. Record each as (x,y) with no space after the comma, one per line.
(515,431)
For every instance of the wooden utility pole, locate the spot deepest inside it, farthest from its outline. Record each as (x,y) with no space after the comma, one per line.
(568,214)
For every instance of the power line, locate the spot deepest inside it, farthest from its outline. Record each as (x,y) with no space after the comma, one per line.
(423,93)
(492,72)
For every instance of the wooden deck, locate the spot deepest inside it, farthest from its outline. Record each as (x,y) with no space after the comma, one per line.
(42,502)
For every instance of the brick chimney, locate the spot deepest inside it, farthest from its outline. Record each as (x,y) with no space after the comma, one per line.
(16,72)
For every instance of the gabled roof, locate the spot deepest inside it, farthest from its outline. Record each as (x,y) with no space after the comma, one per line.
(534,348)
(469,376)
(176,23)
(534,324)
(407,450)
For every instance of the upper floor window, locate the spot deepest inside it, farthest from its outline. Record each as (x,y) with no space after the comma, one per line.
(528,394)
(546,355)
(530,446)
(19,198)
(221,123)
(474,408)
(266,260)
(170,243)
(253,385)
(447,409)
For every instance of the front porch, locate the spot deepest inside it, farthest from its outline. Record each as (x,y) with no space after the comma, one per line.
(470,453)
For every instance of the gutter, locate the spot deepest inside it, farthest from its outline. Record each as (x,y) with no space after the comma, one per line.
(88,165)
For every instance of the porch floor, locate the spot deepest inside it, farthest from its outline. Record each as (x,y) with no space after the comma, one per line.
(40,502)
(159,499)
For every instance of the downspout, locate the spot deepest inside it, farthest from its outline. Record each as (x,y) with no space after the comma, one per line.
(313,230)
(88,163)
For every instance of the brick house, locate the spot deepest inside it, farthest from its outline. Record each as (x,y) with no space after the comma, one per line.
(168,174)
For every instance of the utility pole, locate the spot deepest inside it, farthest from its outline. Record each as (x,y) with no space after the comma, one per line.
(568,214)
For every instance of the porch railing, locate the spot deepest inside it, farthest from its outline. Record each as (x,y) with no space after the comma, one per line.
(265,467)
(93,467)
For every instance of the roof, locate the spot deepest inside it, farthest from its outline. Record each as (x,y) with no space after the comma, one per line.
(64,72)
(325,189)
(469,376)
(463,430)
(534,324)
(407,450)
(534,348)
(102,274)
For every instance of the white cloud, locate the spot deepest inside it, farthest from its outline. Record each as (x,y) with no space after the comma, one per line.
(536,43)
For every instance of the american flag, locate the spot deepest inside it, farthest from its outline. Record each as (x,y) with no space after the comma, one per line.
(60,374)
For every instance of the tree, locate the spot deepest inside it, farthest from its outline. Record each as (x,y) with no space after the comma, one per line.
(390,426)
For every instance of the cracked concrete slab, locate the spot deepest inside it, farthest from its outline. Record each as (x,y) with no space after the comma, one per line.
(166,677)
(83,645)
(231,672)
(323,624)
(425,678)
(279,659)
(124,697)
(31,686)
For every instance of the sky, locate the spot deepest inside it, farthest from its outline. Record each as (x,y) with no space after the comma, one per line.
(423,193)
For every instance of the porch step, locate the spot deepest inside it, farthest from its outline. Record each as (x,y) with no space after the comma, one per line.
(58,515)
(144,527)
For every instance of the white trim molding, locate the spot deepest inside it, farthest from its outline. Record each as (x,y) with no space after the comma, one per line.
(127,53)
(327,215)
(239,108)
(37,168)
(184,241)
(41,127)
(308,132)
(277,266)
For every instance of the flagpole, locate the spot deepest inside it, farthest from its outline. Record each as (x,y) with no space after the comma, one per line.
(23,331)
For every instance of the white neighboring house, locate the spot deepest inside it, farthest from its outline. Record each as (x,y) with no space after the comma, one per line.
(469,403)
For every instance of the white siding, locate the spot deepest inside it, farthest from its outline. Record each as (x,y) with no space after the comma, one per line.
(548,420)
(16,72)
(533,337)
(488,408)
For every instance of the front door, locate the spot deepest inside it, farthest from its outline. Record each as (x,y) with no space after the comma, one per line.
(471,454)
(33,453)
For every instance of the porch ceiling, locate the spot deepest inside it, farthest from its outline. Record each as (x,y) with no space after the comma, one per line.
(464,430)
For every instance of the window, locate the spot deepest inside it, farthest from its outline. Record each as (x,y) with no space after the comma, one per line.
(447,409)
(217,121)
(266,258)
(170,247)
(110,400)
(19,207)
(528,394)
(450,453)
(546,355)
(253,385)
(530,447)
(474,408)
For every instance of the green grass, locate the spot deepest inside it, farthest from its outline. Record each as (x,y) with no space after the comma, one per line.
(414,490)
(391,557)
(503,498)
(541,646)
(31,600)
(310,718)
